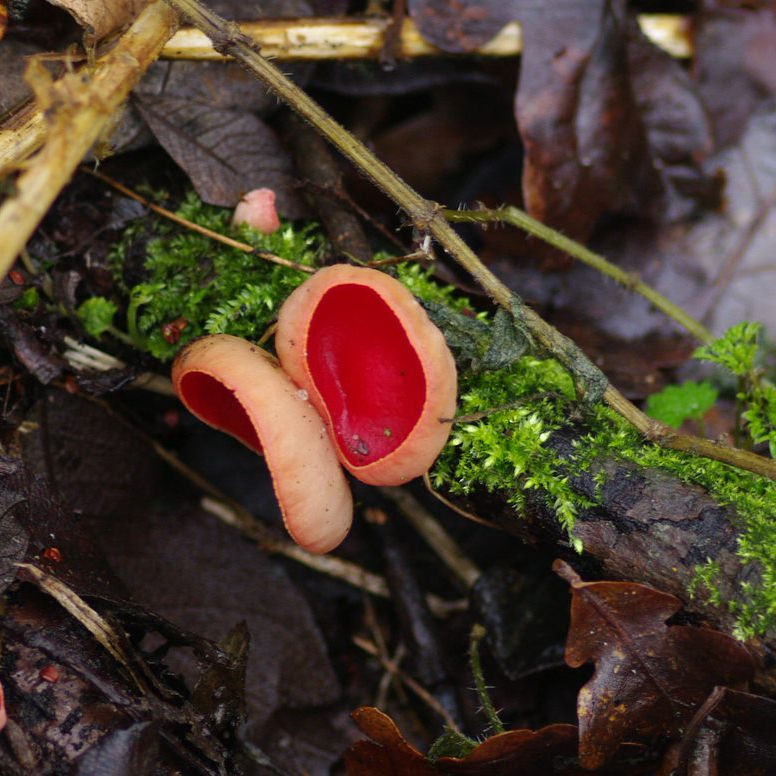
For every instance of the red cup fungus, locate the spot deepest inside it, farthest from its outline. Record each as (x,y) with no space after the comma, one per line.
(238,388)
(257,209)
(375,367)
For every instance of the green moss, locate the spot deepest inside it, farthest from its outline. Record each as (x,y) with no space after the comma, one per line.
(203,287)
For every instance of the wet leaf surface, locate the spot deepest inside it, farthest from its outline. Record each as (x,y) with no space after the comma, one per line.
(650,677)
(736,738)
(177,560)
(225,153)
(608,122)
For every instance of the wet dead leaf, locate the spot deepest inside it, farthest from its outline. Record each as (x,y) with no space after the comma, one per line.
(101,19)
(600,110)
(527,752)
(734,47)
(649,678)
(224,152)
(736,738)
(387,753)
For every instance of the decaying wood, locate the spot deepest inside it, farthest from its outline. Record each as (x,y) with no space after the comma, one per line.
(337,38)
(80,107)
(648,527)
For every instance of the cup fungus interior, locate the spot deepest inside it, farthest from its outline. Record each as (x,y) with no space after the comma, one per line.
(210,400)
(366,371)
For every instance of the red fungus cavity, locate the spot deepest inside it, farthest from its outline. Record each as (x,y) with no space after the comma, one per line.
(368,374)
(374,366)
(238,388)
(211,401)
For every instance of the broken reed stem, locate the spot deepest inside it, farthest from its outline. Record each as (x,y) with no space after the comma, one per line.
(519,218)
(222,238)
(341,38)
(81,105)
(20,137)
(429,217)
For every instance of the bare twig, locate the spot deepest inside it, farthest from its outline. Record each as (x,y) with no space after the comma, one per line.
(519,218)
(341,38)
(82,356)
(408,681)
(222,238)
(434,535)
(80,107)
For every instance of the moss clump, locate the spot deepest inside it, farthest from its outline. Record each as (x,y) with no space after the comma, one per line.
(504,451)
(198,286)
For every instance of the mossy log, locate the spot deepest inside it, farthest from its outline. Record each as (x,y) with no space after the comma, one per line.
(647,526)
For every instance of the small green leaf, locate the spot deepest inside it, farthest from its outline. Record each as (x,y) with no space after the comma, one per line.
(28,300)
(96,314)
(736,349)
(677,403)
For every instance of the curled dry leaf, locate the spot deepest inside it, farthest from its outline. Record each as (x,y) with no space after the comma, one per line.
(100,19)
(649,678)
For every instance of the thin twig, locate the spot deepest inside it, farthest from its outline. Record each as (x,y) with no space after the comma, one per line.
(434,535)
(519,218)
(82,356)
(408,681)
(234,514)
(450,505)
(428,217)
(475,637)
(222,238)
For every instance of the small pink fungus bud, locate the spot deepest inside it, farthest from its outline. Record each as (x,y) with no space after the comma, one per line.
(257,209)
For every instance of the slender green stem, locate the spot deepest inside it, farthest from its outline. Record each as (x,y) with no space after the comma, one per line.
(429,217)
(475,637)
(519,218)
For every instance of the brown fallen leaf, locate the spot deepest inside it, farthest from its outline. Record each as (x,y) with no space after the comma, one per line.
(100,19)
(388,753)
(649,678)
(225,153)
(527,752)
(735,738)
(609,123)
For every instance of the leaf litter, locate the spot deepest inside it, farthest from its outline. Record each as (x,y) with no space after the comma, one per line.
(643,146)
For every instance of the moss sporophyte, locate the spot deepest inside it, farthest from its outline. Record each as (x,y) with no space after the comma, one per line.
(508,414)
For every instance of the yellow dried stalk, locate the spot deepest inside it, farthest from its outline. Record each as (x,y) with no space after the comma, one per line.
(78,109)
(336,38)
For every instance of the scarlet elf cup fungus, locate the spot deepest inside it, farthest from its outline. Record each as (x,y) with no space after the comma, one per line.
(374,366)
(238,388)
(257,209)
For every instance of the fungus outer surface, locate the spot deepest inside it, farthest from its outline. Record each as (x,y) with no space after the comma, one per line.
(366,371)
(218,406)
(237,387)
